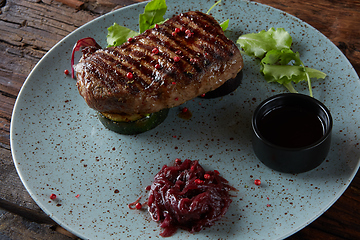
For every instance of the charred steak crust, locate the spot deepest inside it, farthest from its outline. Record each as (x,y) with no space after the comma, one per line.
(185,64)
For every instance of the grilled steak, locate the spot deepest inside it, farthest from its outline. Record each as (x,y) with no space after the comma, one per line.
(163,67)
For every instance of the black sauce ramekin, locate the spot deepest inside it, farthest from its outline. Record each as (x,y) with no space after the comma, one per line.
(292,159)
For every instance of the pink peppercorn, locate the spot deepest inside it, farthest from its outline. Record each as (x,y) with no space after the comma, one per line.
(53,196)
(157,66)
(66,72)
(257,182)
(193,60)
(138,205)
(185,109)
(130,39)
(129,75)
(199,181)
(207,176)
(177,30)
(173,34)
(183,29)
(176,59)
(155,51)
(156,26)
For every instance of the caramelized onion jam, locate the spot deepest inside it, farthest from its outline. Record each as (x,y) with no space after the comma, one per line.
(188,197)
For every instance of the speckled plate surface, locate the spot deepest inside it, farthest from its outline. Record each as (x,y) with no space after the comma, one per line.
(60,147)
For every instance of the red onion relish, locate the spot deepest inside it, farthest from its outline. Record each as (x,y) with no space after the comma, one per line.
(188,197)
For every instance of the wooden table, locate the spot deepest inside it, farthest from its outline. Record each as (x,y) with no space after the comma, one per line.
(29,28)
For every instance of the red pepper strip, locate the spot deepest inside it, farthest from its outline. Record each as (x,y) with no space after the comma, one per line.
(132,206)
(84,42)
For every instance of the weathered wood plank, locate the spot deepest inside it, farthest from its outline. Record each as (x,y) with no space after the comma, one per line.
(14,227)
(43,25)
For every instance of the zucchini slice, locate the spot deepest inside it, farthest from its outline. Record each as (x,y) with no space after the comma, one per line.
(228,87)
(130,125)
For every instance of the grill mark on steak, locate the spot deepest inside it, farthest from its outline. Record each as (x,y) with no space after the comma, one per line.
(99,69)
(160,38)
(130,64)
(207,59)
(102,66)
(178,44)
(212,40)
(210,35)
(157,37)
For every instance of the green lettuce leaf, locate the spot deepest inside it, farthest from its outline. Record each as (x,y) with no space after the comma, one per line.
(278,62)
(283,74)
(314,73)
(153,13)
(282,57)
(258,44)
(284,66)
(152,26)
(118,35)
(224,25)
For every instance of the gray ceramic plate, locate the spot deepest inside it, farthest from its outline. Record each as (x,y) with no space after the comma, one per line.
(60,147)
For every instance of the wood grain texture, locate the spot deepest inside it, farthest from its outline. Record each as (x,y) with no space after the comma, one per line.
(29,28)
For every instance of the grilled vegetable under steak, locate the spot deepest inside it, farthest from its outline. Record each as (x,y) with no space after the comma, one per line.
(135,125)
(163,67)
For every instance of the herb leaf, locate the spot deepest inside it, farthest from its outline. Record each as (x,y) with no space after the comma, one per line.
(224,25)
(153,13)
(117,35)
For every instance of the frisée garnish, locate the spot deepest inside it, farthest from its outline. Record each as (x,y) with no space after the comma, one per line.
(278,62)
